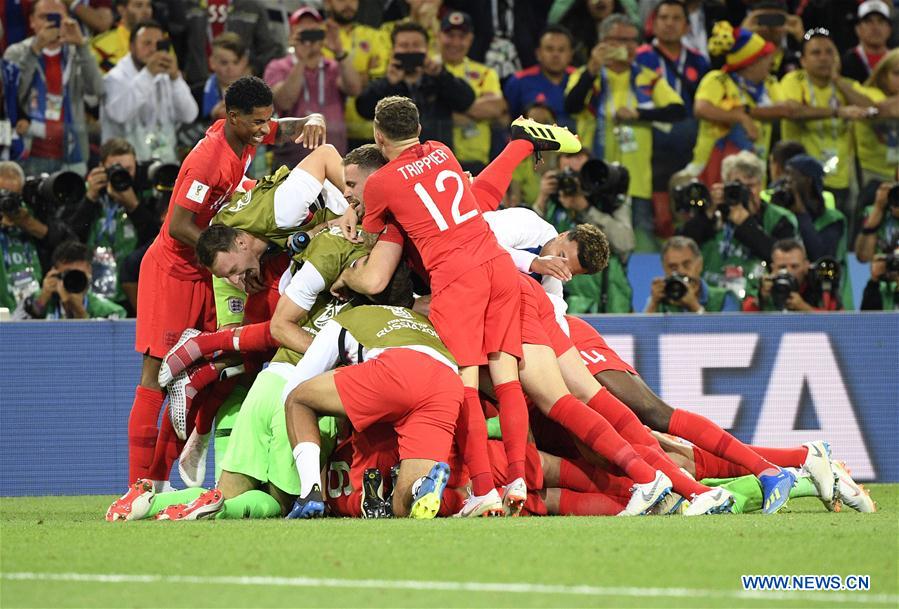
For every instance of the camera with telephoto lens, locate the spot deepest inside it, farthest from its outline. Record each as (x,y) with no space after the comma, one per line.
(74,281)
(781,195)
(10,201)
(676,287)
(735,193)
(826,272)
(602,184)
(691,196)
(156,175)
(45,192)
(119,178)
(782,285)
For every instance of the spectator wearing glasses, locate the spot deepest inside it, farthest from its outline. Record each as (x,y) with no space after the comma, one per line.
(826,102)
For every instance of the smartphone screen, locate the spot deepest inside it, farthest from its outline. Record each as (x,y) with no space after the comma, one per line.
(409,62)
(163,45)
(312,35)
(771,19)
(55,19)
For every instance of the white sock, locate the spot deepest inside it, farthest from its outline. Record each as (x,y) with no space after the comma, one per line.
(306,456)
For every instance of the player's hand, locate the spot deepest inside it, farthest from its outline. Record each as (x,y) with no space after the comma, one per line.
(340,289)
(737,215)
(96,182)
(347,224)
(657,292)
(315,132)
(796,303)
(70,32)
(252,283)
(554,266)
(423,305)
(626,115)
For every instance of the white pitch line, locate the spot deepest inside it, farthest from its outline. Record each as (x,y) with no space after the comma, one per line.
(860,597)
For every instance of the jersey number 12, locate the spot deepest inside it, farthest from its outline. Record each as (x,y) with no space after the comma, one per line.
(440,183)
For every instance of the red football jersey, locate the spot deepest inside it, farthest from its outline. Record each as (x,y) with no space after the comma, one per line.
(426,192)
(209,175)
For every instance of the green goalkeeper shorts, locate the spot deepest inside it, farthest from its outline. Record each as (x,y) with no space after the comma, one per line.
(259,446)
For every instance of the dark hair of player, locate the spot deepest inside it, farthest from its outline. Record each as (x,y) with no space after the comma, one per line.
(115,146)
(409,26)
(148,24)
(247,93)
(71,251)
(214,239)
(785,150)
(397,118)
(367,157)
(592,247)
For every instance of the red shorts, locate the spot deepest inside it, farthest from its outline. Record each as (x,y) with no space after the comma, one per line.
(558,340)
(597,355)
(166,306)
(415,392)
(478,312)
(533,474)
(374,449)
(260,306)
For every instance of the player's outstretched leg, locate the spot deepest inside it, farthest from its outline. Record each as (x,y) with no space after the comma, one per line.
(427,492)
(204,506)
(545,138)
(373,503)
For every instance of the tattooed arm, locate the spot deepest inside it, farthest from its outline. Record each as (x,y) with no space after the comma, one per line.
(309,131)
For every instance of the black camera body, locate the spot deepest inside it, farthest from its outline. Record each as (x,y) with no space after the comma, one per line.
(892,262)
(74,281)
(781,195)
(693,195)
(10,201)
(735,193)
(119,178)
(783,284)
(603,184)
(44,193)
(676,287)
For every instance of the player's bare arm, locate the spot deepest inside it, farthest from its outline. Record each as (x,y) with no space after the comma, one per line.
(309,131)
(370,275)
(182,226)
(286,325)
(325,163)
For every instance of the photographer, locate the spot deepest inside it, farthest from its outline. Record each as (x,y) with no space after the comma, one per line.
(882,290)
(20,272)
(112,218)
(65,292)
(880,229)
(588,191)
(412,73)
(794,284)
(737,230)
(683,290)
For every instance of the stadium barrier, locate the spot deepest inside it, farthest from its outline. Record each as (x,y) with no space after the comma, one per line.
(66,389)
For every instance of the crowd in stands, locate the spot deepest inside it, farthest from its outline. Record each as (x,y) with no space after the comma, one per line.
(760,138)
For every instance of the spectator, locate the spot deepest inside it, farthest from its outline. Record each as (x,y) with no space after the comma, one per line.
(882,290)
(55,71)
(771,20)
(471,133)
(547,81)
(229,61)
(425,13)
(436,92)
(737,230)
(369,50)
(626,98)
(782,152)
(506,33)
(791,286)
(608,291)
(147,99)
(21,270)
(95,15)
(880,230)
(682,68)
(109,47)
(207,19)
(66,290)
(827,101)
(877,139)
(112,219)
(873,30)
(583,18)
(736,105)
(305,82)
(682,289)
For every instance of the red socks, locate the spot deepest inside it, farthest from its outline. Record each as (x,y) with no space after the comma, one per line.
(583,477)
(621,417)
(708,465)
(142,431)
(572,503)
(168,449)
(597,433)
(682,484)
(491,184)
(471,437)
(784,457)
(513,419)
(708,436)
(256,337)
(207,405)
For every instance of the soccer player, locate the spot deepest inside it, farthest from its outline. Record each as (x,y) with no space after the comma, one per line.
(174,292)
(423,189)
(403,374)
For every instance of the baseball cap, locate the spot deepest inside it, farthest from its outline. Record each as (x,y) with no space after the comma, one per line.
(870,7)
(457,20)
(304,11)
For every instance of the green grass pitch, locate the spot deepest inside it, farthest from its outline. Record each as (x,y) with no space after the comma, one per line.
(58,552)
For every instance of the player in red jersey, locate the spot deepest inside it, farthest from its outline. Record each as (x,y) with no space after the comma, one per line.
(174,291)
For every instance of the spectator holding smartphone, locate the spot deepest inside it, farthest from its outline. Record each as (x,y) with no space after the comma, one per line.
(146,96)
(422,78)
